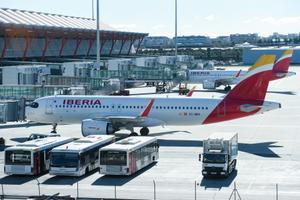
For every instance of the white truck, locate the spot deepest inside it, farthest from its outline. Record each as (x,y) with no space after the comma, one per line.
(219,156)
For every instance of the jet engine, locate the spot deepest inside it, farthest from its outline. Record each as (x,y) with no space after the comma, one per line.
(209,84)
(96,127)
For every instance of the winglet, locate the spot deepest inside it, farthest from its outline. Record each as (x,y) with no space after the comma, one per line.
(147,110)
(190,93)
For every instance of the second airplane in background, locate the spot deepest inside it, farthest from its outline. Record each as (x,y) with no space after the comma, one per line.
(211,79)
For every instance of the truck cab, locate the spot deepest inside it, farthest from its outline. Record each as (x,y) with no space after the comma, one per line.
(219,155)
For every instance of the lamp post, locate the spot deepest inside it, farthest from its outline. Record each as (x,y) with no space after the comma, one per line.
(176,30)
(98,36)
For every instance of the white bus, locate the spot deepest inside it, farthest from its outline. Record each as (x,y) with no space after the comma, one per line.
(129,155)
(31,157)
(78,157)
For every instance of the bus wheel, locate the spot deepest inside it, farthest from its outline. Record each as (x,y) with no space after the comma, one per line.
(87,170)
(144,131)
(133,134)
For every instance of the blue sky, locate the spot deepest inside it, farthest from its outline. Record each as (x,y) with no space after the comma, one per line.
(195,17)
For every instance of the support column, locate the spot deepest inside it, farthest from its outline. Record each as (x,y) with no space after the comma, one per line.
(102,45)
(130,46)
(139,44)
(4,46)
(91,43)
(63,42)
(77,46)
(112,45)
(46,44)
(27,45)
(122,45)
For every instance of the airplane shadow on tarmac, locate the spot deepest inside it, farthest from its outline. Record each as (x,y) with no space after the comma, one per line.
(67,180)
(262,149)
(122,135)
(218,182)
(108,180)
(25,125)
(283,92)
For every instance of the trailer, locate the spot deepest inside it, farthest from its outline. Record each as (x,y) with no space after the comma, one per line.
(219,157)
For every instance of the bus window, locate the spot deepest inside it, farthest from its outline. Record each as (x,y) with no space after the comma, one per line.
(18,157)
(64,159)
(113,158)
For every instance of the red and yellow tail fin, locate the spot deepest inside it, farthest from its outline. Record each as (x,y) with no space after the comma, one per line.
(254,85)
(247,97)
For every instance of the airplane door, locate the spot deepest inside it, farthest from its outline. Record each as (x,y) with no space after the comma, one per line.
(49,107)
(222,109)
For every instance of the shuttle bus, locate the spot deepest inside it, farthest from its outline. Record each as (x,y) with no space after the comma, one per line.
(31,157)
(78,157)
(129,155)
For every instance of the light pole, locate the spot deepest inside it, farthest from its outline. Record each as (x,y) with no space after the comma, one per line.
(93,17)
(98,36)
(176,30)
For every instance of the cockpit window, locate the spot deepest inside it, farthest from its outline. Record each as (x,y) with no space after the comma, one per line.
(34,105)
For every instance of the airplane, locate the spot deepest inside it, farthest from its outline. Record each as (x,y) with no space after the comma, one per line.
(211,79)
(108,114)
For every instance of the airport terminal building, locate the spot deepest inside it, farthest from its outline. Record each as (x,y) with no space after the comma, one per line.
(250,55)
(29,34)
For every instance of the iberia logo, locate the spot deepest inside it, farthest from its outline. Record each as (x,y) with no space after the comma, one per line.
(82,102)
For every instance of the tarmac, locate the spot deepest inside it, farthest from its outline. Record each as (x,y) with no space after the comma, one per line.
(269,157)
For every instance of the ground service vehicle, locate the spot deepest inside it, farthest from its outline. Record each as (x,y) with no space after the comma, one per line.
(129,155)
(220,152)
(31,157)
(78,157)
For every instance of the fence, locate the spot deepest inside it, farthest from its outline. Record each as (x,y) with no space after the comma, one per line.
(152,190)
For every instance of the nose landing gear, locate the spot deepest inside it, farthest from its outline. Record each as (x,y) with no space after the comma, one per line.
(54,128)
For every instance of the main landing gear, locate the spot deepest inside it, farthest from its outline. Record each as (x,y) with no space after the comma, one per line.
(227,88)
(144,132)
(54,128)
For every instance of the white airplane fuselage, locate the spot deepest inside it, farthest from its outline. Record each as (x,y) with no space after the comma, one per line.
(198,76)
(164,111)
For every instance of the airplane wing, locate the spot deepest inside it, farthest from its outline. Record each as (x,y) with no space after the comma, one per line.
(229,81)
(120,121)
